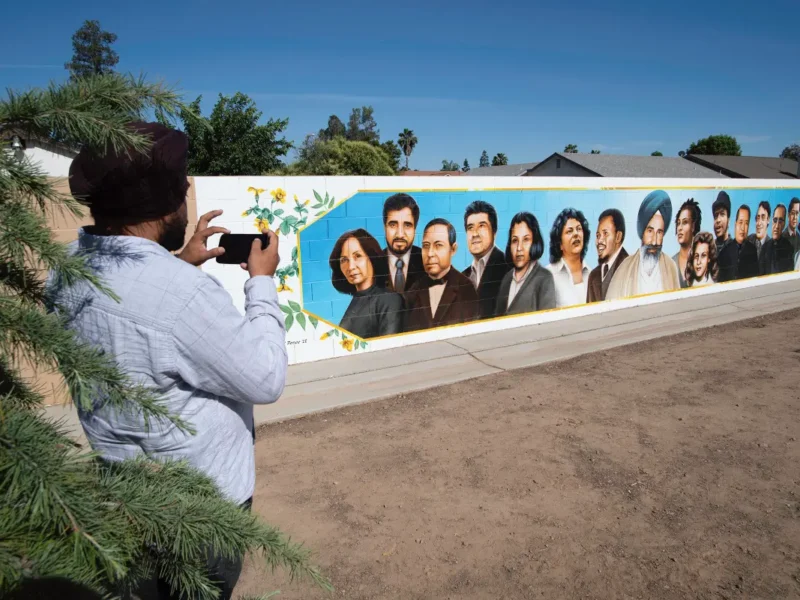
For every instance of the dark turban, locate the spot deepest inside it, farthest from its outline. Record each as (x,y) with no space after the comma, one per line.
(134,186)
(654,202)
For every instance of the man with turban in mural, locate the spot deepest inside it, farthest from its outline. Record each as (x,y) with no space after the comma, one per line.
(649,270)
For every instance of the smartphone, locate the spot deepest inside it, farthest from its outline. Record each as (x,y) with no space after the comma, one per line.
(237,246)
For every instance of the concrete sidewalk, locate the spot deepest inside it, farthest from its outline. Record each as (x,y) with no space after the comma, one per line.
(328,384)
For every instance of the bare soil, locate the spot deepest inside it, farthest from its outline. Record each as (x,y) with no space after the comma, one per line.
(666,469)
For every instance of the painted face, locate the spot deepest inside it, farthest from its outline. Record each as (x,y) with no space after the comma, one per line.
(521,242)
(400,230)
(701,260)
(356,265)
(607,239)
(479,234)
(762,223)
(721,219)
(794,211)
(437,253)
(572,238)
(742,226)
(778,222)
(685,228)
(654,233)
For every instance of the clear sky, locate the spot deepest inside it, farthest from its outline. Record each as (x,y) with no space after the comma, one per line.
(523,78)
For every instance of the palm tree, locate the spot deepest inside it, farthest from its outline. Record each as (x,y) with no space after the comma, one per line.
(499,160)
(407,141)
(571,149)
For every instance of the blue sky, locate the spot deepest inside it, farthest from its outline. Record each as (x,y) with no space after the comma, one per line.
(624,77)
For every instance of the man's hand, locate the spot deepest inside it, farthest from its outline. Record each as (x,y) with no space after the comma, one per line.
(263,262)
(196,252)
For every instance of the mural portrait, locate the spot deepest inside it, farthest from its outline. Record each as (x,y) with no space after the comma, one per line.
(384,264)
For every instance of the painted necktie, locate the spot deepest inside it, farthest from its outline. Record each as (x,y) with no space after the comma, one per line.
(399,277)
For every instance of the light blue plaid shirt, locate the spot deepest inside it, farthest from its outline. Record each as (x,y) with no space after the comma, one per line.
(176,331)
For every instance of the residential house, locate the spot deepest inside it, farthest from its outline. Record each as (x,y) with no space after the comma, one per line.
(749,167)
(502,170)
(561,164)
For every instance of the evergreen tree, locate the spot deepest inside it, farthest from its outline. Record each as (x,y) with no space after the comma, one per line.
(465,168)
(407,142)
(66,515)
(716,145)
(91,51)
(499,160)
(484,162)
(657,153)
(571,149)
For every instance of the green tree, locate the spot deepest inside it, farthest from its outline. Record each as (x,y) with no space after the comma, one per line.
(334,129)
(64,513)
(484,162)
(595,152)
(394,153)
(656,153)
(465,168)
(716,145)
(407,142)
(571,149)
(499,160)
(91,51)
(449,165)
(681,153)
(231,141)
(339,157)
(361,126)
(792,152)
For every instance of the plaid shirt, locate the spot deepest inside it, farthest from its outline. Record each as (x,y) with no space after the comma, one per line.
(176,331)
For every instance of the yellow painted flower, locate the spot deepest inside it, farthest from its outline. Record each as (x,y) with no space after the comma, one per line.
(347,344)
(279,195)
(284,288)
(325,336)
(245,214)
(306,202)
(256,191)
(261,224)
(296,199)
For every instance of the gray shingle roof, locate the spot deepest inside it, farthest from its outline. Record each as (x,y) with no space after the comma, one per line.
(619,165)
(501,171)
(749,167)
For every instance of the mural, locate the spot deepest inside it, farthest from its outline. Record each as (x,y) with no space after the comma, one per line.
(381,265)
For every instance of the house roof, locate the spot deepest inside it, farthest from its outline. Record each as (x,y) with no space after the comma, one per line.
(431,173)
(748,167)
(502,170)
(619,165)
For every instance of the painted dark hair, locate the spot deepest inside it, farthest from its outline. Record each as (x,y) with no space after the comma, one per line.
(558,227)
(479,206)
(399,202)
(703,237)
(371,247)
(791,202)
(537,247)
(765,205)
(722,201)
(451,231)
(697,216)
(617,217)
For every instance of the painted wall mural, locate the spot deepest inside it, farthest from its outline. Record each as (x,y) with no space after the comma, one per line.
(382,268)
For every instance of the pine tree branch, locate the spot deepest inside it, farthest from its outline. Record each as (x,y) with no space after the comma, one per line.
(28,182)
(14,390)
(92,377)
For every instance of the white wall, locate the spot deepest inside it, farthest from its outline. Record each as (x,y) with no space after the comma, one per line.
(53,163)
(311,343)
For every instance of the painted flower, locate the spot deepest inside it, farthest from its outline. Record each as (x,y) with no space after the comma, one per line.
(261,224)
(246,213)
(256,191)
(296,199)
(325,336)
(279,195)
(347,344)
(284,288)
(306,202)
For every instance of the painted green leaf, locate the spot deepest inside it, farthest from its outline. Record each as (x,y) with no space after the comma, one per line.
(294,306)
(285,309)
(291,219)
(270,219)
(294,253)
(301,318)
(279,212)
(314,321)
(289,321)
(336,332)
(284,228)
(318,197)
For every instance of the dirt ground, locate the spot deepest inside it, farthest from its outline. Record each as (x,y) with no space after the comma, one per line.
(667,469)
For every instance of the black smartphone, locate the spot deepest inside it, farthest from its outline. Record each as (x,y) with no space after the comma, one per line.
(237,246)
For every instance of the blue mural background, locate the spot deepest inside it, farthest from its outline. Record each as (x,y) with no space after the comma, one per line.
(365,210)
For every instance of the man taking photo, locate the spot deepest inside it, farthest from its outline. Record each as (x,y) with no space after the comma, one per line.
(173,328)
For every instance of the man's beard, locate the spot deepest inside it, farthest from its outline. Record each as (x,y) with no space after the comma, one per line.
(650,255)
(173,235)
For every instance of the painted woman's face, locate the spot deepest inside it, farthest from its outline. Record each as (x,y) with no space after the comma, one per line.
(356,265)
(701,260)
(572,238)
